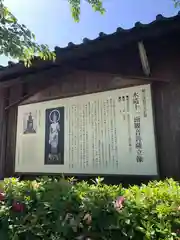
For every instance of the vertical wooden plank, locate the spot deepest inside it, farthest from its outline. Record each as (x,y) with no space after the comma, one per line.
(167,119)
(175,127)
(15,95)
(3,121)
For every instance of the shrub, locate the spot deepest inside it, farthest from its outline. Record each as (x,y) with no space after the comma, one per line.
(52,209)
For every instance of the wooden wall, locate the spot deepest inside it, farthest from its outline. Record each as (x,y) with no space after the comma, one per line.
(4,98)
(100,73)
(167,119)
(82,82)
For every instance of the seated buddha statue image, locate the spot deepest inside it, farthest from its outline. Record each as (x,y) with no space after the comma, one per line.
(29,127)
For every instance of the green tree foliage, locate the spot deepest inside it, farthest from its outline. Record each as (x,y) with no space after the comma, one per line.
(18,42)
(76,7)
(176,3)
(54,209)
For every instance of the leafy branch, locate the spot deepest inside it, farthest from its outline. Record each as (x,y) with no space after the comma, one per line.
(18,42)
(75,5)
(176,3)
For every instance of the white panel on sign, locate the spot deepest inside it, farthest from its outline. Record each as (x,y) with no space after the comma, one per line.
(103,133)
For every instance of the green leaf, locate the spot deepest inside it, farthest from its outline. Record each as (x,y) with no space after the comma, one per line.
(18,42)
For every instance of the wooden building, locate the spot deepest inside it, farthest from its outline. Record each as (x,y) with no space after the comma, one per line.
(113,61)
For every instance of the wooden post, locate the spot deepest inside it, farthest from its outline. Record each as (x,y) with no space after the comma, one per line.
(3,127)
(15,94)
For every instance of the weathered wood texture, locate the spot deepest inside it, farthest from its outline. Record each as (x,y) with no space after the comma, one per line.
(167,118)
(4,98)
(14,94)
(82,82)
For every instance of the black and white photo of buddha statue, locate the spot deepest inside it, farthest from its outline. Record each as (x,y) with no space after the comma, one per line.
(29,123)
(54,136)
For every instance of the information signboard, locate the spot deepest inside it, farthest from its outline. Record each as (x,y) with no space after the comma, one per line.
(102,133)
